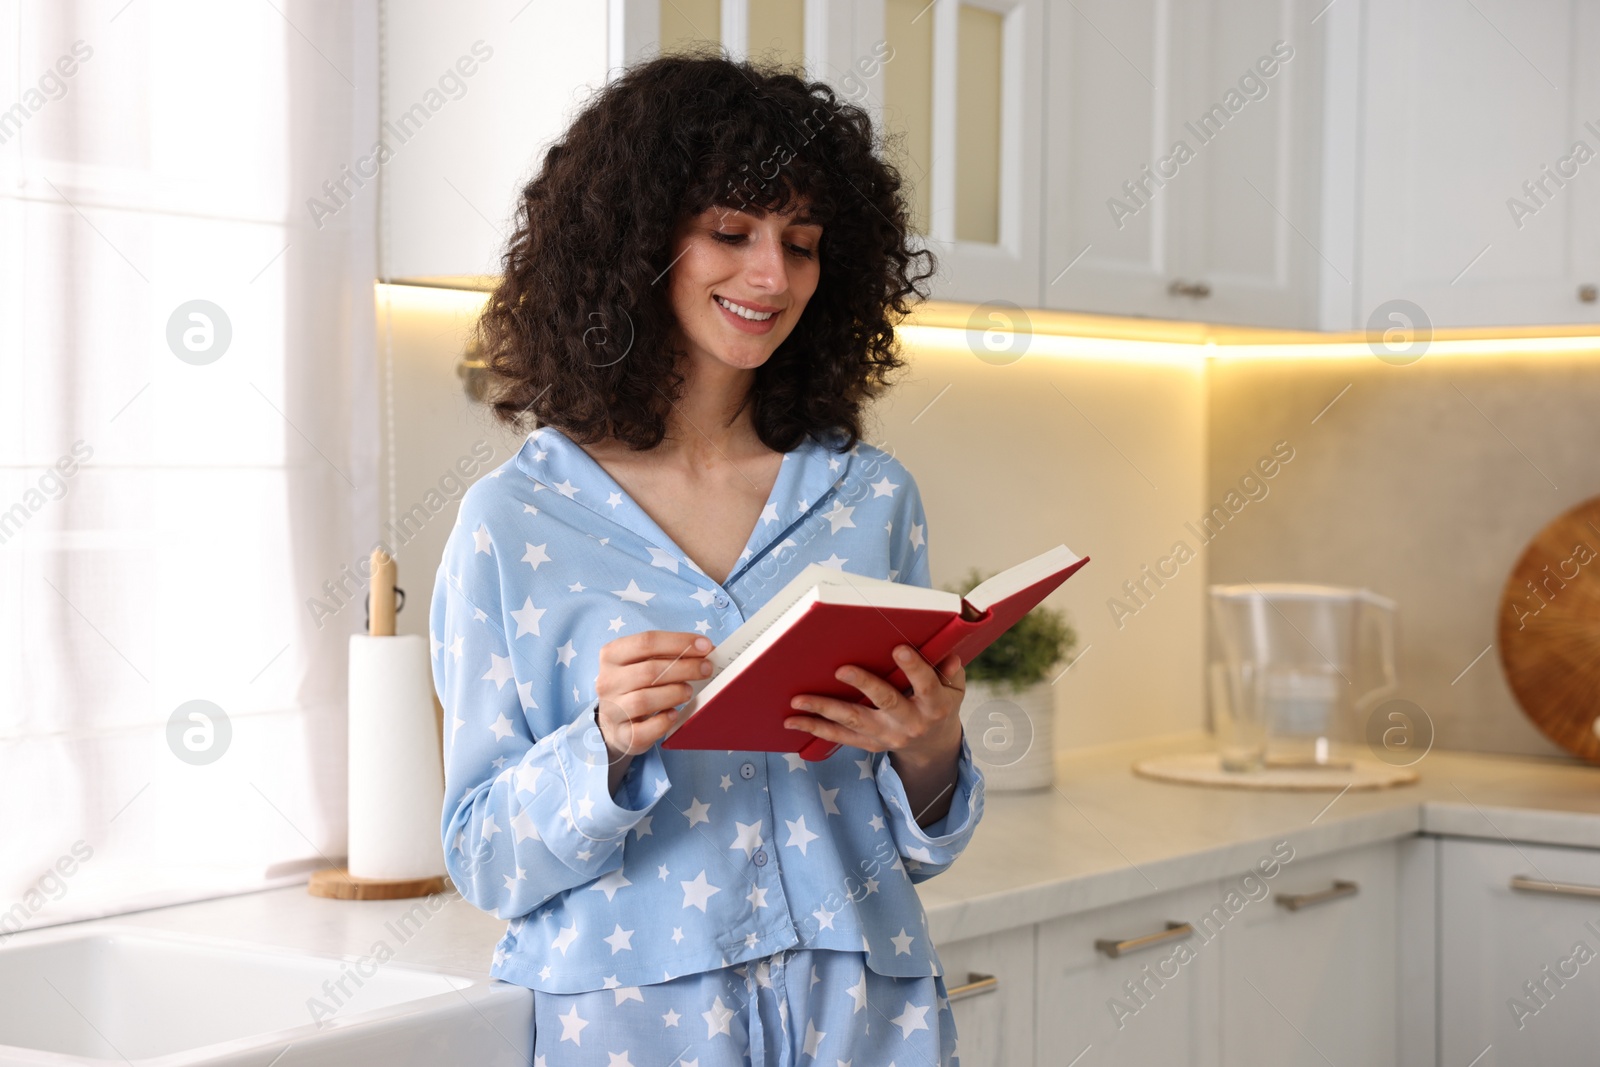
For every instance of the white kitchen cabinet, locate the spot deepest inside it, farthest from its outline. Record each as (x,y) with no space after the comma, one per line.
(990,984)
(1315,983)
(1197,161)
(984,172)
(1519,968)
(1466,105)
(457,165)
(1155,1004)
(463,144)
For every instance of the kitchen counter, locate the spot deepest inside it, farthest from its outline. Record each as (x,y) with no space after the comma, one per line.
(1102,836)
(1105,835)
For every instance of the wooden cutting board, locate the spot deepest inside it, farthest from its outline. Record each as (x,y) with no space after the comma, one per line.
(1549,630)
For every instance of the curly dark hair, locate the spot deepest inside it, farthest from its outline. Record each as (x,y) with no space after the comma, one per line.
(577,334)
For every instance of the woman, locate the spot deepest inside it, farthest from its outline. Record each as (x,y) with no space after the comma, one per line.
(694,311)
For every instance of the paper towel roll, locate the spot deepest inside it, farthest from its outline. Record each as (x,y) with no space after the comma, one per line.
(396,785)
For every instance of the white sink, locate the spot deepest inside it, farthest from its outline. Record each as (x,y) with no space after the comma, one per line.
(110,994)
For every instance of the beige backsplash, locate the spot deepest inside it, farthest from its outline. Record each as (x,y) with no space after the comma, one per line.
(1422,483)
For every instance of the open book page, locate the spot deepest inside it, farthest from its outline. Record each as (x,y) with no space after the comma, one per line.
(1014,580)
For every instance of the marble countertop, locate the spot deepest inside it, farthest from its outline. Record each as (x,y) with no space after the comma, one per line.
(1104,835)
(1101,836)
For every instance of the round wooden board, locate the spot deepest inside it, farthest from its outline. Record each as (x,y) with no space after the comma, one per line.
(1205,768)
(336,883)
(1549,630)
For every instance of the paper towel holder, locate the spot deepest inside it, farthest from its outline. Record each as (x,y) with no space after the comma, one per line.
(336,883)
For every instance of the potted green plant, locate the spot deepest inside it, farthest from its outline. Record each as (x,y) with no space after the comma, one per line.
(1009,708)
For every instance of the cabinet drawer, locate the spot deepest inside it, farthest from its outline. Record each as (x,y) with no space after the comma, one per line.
(1123,982)
(990,983)
(1309,974)
(1519,968)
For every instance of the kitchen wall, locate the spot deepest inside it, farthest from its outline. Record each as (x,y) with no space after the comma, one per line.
(437,434)
(1105,456)
(1421,482)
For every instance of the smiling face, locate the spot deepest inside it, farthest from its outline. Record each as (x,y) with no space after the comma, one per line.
(740,281)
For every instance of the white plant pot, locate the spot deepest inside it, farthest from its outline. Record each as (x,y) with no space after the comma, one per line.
(1012,735)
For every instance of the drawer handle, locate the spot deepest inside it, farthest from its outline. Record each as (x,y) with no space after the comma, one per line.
(1296,901)
(1175,931)
(1197,290)
(976,983)
(1560,889)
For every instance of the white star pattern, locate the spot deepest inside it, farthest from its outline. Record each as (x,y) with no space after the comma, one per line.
(610,884)
(499,671)
(698,891)
(696,812)
(858,993)
(527,618)
(633,594)
(619,939)
(912,1018)
(799,836)
(813,1038)
(717,1018)
(534,827)
(828,805)
(748,837)
(839,517)
(572,1026)
(523,826)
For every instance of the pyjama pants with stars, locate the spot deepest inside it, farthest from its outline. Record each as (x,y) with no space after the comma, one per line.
(795,1008)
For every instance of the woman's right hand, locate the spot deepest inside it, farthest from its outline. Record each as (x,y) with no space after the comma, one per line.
(641,677)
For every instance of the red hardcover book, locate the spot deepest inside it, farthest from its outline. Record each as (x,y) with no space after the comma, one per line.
(824,618)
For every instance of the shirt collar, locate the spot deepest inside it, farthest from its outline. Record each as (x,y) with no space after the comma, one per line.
(553,461)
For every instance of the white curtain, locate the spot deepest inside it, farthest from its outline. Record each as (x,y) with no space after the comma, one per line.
(188,445)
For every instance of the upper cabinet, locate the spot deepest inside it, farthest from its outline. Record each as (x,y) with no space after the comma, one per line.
(1186,170)
(962,90)
(1302,164)
(471,95)
(1282,163)
(1480,192)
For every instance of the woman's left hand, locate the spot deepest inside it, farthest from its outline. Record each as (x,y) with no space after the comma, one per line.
(924,727)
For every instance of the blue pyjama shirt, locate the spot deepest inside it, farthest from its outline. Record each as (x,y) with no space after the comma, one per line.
(702,860)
